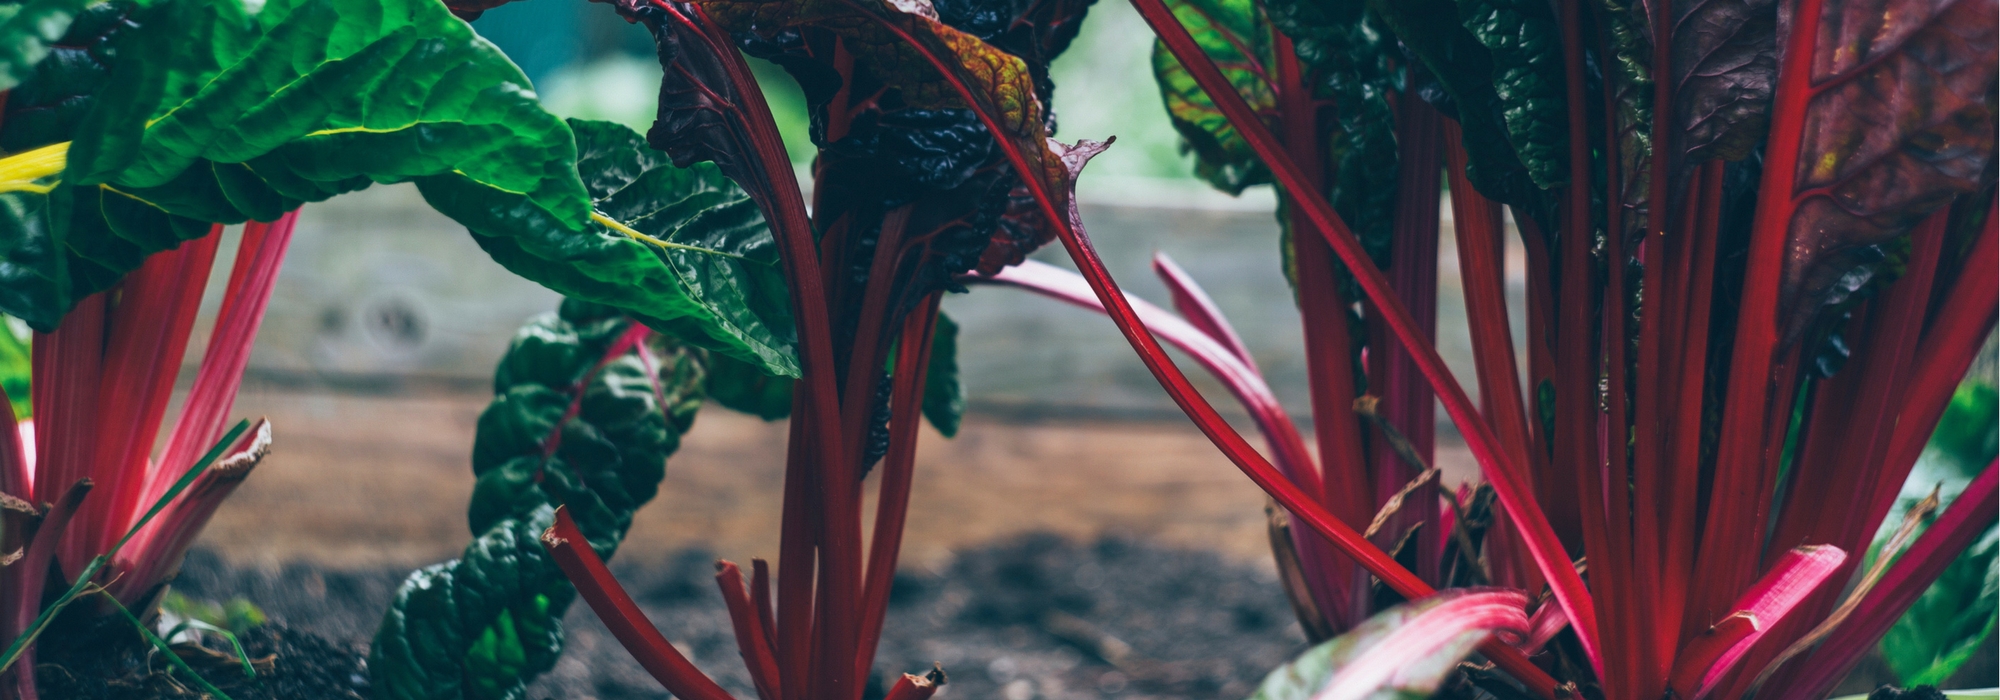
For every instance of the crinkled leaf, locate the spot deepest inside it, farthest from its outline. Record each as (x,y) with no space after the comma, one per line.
(886,152)
(944,394)
(701,107)
(229,117)
(1526,46)
(1465,71)
(1002,83)
(255,116)
(727,296)
(212,115)
(467,627)
(1725,67)
(1899,120)
(1237,37)
(483,625)
(1404,652)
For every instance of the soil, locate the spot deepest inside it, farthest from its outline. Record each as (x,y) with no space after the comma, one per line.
(289,663)
(1032,617)
(1035,616)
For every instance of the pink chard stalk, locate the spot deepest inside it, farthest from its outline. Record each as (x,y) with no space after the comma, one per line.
(91,499)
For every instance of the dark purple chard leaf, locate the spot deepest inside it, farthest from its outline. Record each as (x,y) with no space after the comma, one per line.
(1036,31)
(1899,120)
(1725,67)
(701,116)
(889,138)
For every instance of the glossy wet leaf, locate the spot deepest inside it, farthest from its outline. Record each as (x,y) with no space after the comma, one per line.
(191,125)
(1355,60)
(1237,37)
(216,115)
(1464,70)
(1899,120)
(721,289)
(257,116)
(1001,83)
(1526,46)
(483,625)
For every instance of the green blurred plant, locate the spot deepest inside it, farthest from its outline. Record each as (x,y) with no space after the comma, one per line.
(15,341)
(1946,626)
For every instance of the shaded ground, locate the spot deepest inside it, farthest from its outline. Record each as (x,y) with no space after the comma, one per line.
(1032,617)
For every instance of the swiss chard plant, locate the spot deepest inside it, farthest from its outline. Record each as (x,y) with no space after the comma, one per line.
(587,406)
(134,131)
(1760,256)
(1724,388)
(1760,246)
(92,498)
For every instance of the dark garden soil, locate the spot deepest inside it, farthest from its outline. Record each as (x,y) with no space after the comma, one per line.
(1031,617)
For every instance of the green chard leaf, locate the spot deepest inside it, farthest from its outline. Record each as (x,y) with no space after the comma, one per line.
(52,96)
(481,626)
(944,394)
(1466,72)
(702,265)
(216,115)
(1237,36)
(1527,79)
(1945,626)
